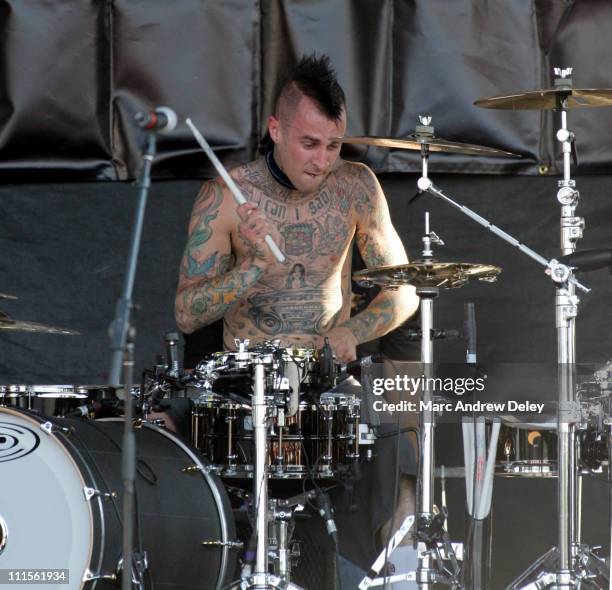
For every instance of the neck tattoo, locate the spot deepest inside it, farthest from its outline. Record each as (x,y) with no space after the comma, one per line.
(275,170)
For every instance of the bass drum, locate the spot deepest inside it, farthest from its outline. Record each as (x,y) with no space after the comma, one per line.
(61,504)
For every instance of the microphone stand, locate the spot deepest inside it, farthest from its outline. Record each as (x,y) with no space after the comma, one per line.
(122,353)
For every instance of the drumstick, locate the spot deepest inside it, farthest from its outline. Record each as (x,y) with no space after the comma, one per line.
(230,183)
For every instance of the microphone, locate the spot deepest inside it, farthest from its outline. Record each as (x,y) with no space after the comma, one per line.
(327,514)
(174,365)
(160,120)
(469,331)
(327,369)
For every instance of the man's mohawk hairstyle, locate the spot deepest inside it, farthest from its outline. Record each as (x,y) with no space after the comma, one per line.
(314,77)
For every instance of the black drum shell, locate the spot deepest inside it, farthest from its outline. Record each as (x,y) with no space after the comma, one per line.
(177,507)
(307,450)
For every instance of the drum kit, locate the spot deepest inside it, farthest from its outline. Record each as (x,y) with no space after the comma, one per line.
(265,419)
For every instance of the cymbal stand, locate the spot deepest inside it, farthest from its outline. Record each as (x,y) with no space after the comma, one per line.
(425,573)
(570,562)
(567,311)
(426,519)
(566,307)
(431,539)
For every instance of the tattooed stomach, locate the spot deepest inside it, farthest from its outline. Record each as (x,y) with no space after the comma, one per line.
(292,317)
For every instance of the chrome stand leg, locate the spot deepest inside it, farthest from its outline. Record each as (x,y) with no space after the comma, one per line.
(424,573)
(260,482)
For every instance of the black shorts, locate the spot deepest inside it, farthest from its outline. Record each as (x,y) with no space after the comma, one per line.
(372,497)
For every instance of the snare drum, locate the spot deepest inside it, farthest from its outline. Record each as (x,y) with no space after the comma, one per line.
(307,437)
(527,450)
(61,504)
(311,443)
(286,369)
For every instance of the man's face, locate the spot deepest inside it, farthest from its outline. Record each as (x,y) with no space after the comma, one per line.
(306,144)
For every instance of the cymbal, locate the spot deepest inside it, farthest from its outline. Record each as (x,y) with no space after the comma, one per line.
(428,273)
(7,323)
(548,99)
(435,144)
(7,296)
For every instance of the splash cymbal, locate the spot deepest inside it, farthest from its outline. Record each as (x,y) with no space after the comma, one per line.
(428,273)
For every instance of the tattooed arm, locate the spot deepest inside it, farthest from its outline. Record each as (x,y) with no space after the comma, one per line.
(209,283)
(379,245)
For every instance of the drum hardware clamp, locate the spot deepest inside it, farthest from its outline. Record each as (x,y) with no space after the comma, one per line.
(157,422)
(50,428)
(193,469)
(91,492)
(89,576)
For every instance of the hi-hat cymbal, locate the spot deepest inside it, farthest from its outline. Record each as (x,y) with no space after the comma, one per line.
(435,144)
(548,99)
(428,273)
(7,323)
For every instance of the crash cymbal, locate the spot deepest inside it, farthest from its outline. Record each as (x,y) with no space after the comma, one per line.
(7,323)
(548,99)
(7,296)
(427,273)
(435,144)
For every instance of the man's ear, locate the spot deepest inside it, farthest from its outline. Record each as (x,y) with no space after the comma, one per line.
(274,128)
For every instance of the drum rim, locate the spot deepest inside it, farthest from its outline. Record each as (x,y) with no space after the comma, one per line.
(85,471)
(48,390)
(512,421)
(219,403)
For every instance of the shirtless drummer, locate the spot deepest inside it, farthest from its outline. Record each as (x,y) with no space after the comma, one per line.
(313,204)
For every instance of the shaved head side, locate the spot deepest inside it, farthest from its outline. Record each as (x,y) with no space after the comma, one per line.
(313,77)
(287,102)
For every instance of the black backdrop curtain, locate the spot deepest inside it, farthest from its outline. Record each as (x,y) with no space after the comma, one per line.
(73,73)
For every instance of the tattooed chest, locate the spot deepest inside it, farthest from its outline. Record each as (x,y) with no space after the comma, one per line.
(313,229)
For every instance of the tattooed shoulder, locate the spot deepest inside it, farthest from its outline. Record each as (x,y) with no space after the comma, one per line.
(197,262)
(365,188)
(209,198)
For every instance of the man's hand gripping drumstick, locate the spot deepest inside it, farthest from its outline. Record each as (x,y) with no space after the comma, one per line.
(230,184)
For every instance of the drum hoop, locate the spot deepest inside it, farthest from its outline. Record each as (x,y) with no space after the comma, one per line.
(38,390)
